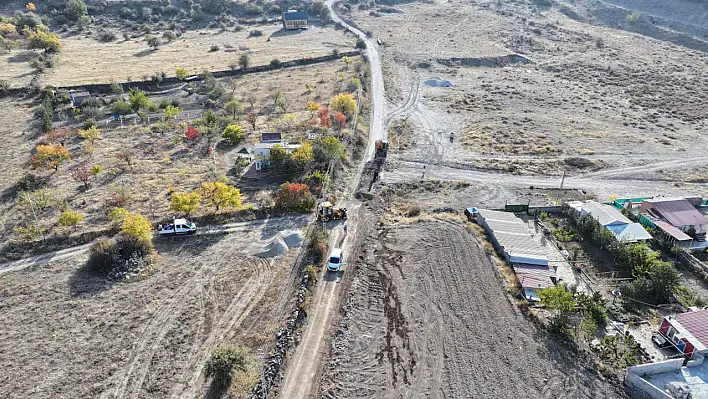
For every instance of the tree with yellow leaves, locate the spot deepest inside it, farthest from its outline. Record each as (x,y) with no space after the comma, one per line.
(136,227)
(91,134)
(304,156)
(343,103)
(50,156)
(220,194)
(312,107)
(185,203)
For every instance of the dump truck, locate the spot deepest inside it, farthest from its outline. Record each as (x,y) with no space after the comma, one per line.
(326,212)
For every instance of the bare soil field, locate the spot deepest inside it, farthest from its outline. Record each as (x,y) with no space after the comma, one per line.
(68,334)
(163,161)
(86,60)
(428,317)
(537,85)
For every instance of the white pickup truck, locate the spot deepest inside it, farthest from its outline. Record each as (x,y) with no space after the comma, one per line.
(179,226)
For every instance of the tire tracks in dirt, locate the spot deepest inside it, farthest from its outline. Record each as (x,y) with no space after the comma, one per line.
(240,307)
(464,336)
(132,378)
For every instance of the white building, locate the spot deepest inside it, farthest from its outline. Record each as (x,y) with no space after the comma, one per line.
(261,152)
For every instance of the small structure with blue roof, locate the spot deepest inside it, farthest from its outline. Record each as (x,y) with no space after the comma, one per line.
(293,19)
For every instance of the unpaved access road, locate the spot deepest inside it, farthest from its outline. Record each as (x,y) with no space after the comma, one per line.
(265,226)
(303,364)
(428,318)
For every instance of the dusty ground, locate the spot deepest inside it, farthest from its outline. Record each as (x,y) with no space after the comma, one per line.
(428,317)
(86,60)
(534,86)
(67,334)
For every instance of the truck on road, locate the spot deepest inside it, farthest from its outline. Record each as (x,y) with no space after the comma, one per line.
(178,226)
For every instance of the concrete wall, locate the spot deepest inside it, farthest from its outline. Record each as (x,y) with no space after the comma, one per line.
(636,382)
(634,379)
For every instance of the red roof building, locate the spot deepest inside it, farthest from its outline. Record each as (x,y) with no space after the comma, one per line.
(688,332)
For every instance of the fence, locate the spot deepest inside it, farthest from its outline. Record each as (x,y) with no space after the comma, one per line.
(145,85)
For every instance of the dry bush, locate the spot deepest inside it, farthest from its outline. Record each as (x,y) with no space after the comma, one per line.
(410,210)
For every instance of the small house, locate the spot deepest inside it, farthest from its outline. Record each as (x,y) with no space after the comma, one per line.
(678,219)
(687,332)
(615,222)
(511,237)
(78,97)
(293,19)
(261,152)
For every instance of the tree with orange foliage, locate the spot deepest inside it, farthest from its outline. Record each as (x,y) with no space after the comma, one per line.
(50,156)
(340,119)
(295,196)
(325,120)
(31,7)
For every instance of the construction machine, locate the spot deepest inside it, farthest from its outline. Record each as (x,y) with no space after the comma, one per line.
(326,212)
(381,149)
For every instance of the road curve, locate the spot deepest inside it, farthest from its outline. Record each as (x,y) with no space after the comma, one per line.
(378,101)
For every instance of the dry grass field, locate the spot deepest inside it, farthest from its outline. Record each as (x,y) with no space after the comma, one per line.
(86,60)
(536,85)
(15,67)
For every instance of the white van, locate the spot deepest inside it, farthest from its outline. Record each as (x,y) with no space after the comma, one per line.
(336,260)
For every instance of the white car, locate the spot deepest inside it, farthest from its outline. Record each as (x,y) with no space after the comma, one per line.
(336,260)
(179,226)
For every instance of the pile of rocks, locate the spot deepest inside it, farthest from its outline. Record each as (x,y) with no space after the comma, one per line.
(134,267)
(285,339)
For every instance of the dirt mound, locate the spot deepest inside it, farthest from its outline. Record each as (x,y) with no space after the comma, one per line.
(489,62)
(275,248)
(293,238)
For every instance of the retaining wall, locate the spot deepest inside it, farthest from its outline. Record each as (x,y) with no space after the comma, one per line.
(633,377)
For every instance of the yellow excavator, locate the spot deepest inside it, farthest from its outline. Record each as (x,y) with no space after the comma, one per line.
(326,212)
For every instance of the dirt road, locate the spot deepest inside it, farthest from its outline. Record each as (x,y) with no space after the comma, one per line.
(270,224)
(377,130)
(601,184)
(429,318)
(303,365)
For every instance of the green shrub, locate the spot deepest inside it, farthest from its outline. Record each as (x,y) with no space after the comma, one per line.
(633,17)
(222,363)
(102,256)
(121,108)
(256,33)
(107,37)
(360,44)
(254,9)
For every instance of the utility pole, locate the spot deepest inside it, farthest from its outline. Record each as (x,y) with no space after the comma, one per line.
(563,179)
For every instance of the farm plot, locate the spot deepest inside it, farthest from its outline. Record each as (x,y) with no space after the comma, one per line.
(428,317)
(162,160)
(86,60)
(68,334)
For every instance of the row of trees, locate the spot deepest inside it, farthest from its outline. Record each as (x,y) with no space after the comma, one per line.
(217,194)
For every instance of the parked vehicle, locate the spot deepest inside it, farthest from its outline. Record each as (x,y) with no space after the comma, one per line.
(336,260)
(179,226)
